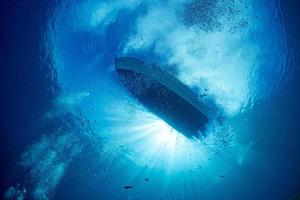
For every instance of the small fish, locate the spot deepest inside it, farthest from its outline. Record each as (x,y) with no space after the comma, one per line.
(221,176)
(146,179)
(128,187)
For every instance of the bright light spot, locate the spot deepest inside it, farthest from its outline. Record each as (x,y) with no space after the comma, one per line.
(151,141)
(164,133)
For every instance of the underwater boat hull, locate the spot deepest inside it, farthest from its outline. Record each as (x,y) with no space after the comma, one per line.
(164,95)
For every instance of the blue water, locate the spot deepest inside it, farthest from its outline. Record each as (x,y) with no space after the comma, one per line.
(69,130)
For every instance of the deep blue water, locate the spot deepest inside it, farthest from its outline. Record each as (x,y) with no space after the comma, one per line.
(69,130)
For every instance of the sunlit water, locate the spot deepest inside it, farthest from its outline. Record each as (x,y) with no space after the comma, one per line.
(234,51)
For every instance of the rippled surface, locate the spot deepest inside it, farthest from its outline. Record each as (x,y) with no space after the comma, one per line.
(236,52)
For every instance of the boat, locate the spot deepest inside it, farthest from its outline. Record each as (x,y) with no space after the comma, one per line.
(164,95)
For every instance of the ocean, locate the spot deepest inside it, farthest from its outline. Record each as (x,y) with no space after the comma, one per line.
(70,130)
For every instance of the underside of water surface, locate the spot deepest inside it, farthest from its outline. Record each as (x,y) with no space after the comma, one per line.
(97,141)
